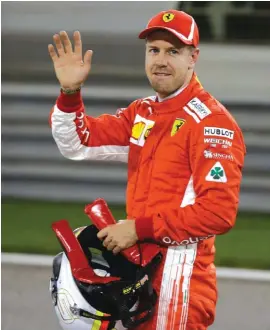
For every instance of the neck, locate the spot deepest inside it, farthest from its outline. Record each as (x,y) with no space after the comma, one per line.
(189,76)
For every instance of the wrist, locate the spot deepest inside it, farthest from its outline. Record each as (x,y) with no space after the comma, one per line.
(70,91)
(70,102)
(144,228)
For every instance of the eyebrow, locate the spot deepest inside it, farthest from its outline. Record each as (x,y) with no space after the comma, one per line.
(168,48)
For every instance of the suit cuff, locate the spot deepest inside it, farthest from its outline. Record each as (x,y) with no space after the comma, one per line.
(69,102)
(144,228)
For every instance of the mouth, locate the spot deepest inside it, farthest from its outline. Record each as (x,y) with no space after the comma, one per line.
(161,74)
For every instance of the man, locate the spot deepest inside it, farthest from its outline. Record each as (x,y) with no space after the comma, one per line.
(185,155)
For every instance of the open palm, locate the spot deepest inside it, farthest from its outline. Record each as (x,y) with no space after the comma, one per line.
(70,68)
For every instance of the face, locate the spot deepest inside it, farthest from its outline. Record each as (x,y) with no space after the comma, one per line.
(169,63)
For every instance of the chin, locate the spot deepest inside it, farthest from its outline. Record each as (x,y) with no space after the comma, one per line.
(163,91)
(158,87)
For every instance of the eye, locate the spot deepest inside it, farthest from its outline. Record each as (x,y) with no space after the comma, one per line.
(153,50)
(173,51)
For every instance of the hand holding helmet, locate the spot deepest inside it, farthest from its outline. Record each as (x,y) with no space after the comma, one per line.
(102,217)
(90,284)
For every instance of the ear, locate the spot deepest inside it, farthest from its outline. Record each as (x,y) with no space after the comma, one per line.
(194,55)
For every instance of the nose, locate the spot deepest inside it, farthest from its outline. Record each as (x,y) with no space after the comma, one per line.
(161,59)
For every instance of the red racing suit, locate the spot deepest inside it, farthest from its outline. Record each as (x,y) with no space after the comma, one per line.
(185,157)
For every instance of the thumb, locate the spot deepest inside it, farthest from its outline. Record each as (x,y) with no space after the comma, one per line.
(88,58)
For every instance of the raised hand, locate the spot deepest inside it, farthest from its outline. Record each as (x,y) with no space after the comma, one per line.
(70,68)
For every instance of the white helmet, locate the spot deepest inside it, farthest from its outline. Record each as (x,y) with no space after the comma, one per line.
(92,288)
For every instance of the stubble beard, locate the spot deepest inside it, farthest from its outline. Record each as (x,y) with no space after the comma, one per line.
(164,89)
(161,88)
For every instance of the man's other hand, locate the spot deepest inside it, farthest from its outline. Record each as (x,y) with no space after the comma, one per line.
(70,68)
(119,236)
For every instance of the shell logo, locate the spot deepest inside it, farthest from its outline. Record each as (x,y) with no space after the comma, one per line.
(137,130)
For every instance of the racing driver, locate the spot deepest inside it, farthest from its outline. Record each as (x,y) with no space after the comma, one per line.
(185,154)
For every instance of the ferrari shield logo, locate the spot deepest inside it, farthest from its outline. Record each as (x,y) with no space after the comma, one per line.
(167,17)
(178,123)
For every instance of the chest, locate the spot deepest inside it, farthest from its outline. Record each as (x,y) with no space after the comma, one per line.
(161,137)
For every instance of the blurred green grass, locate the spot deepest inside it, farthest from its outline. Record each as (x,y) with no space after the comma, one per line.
(26,228)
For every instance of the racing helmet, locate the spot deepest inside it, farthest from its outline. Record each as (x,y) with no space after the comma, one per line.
(91,288)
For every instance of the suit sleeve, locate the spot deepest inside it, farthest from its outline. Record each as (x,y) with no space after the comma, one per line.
(215,185)
(79,136)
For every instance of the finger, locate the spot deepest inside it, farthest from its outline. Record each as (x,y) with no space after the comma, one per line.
(107,241)
(116,250)
(88,60)
(77,43)
(102,233)
(111,245)
(88,57)
(58,44)
(65,39)
(52,52)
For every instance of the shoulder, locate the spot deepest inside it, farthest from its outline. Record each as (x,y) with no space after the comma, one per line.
(130,109)
(141,102)
(145,101)
(213,124)
(143,106)
(205,109)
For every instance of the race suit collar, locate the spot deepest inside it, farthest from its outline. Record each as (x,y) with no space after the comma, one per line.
(180,90)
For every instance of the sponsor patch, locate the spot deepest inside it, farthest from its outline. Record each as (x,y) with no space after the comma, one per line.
(137,130)
(178,123)
(141,130)
(83,131)
(199,108)
(214,141)
(191,240)
(217,131)
(216,174)
(216,155)
(148,130)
